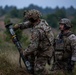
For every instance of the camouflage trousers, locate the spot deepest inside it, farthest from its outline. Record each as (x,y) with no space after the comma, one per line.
(40,66)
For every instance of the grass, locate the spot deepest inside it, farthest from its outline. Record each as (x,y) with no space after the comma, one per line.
(9,58)
(9,64)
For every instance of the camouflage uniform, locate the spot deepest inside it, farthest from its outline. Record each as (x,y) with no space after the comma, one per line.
(65,50)
(40,44)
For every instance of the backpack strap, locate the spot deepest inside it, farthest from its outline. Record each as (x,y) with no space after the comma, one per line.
(68,34)
(45,35)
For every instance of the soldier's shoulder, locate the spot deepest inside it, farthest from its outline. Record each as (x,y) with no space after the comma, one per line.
(72,37)
(44,21)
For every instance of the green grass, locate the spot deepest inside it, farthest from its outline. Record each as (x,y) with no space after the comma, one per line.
(9,57)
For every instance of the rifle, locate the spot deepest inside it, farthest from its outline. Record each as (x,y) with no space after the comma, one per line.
(15,40)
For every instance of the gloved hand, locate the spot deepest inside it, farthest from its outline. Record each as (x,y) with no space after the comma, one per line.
(16,26)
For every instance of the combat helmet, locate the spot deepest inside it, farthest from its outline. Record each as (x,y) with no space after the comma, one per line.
(32,14)
(66,22)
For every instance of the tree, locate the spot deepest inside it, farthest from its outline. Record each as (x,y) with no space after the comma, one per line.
(52,20)
(74,25)
(60,13)
(71,10)
(2,12)
(14,13)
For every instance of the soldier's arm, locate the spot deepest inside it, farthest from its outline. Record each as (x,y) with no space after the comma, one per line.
(73,46)
(33,44)
(23,25)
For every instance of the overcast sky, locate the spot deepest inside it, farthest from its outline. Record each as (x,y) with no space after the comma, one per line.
(41,3)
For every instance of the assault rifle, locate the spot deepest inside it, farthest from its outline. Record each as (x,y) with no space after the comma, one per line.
(15,40)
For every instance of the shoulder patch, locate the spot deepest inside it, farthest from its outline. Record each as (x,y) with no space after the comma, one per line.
(72,36)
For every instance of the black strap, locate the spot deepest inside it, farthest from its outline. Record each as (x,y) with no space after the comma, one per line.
(20,61)
(68,34)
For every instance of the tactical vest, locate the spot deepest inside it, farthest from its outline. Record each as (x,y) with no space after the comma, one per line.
(63,48)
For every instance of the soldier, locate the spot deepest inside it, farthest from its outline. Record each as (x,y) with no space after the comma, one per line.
(41,40)
(65,48)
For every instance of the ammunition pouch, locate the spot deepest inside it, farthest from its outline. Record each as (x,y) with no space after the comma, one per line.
(59,49)
(59,45)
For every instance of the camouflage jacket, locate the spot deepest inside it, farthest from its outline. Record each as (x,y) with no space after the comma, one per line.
(67,45)
(39,43)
